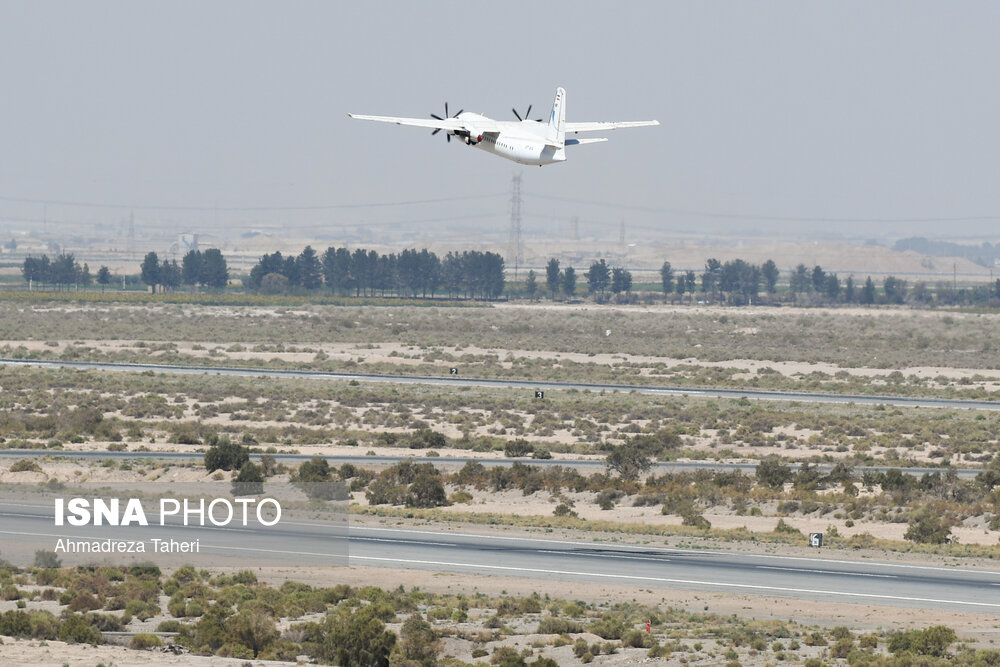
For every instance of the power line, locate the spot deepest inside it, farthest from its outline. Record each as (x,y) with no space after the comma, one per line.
(515,250)
(165,207)
(756,216)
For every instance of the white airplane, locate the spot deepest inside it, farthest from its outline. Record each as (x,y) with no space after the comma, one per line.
(525,141)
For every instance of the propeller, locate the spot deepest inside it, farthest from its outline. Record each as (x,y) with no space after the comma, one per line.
(446,115)
(526,114)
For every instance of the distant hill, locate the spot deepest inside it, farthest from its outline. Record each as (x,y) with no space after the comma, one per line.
(985,254)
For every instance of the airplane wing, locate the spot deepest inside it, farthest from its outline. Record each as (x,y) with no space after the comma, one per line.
(594,127)
(451,124)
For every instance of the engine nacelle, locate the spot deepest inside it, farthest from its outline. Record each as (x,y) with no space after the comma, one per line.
(471,138)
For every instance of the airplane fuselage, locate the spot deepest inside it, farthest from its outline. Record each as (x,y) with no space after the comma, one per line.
(522,142)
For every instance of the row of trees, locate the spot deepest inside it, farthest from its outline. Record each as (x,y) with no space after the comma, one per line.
(64,271)
(738,282)
(196,268)
(472,273)
(600,279)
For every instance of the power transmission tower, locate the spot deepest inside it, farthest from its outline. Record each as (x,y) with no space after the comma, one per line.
(130,243)
(515,252)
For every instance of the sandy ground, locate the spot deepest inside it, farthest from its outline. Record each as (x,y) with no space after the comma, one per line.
(977,627)
(407,355)
(34,652)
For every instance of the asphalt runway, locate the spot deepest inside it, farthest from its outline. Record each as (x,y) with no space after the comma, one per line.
(820,579)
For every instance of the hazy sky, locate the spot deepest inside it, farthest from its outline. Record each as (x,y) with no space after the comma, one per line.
(818,110)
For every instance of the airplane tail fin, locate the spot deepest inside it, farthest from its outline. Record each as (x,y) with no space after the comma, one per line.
(555,134)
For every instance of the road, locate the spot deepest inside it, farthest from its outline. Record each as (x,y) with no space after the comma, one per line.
(820,579)
(456,381)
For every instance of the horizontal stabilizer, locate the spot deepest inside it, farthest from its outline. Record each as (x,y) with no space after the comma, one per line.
(577,142)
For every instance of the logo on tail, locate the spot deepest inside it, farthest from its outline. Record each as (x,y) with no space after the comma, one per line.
(555,135)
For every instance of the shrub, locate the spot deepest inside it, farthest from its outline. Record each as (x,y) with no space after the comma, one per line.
(926,527)
(76,630)
(253,629)
(786,529)
(418,641)
(315,469)
(426,491)
(249,481)
(519,447)
(25,465)
(562,509)
(692,518)
(933,641)
(225,455)
(550,625)
(144,641)
(771,472)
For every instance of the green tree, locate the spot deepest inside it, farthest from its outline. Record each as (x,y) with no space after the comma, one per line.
(569,281)
(103,277)
(850,292)
(310,269)
(274,283)
(214,271)
(710,278)
(895,290)
(65,270)
(191,267)
(832,286)
(621,280)
(170,274)
(818,279)
(868,292)
(36,269)
(800,281)
(149,270)
(769,271)
(690,281)
(531,284)
(552,276)
(598,277)
(337,269)
(667,278)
